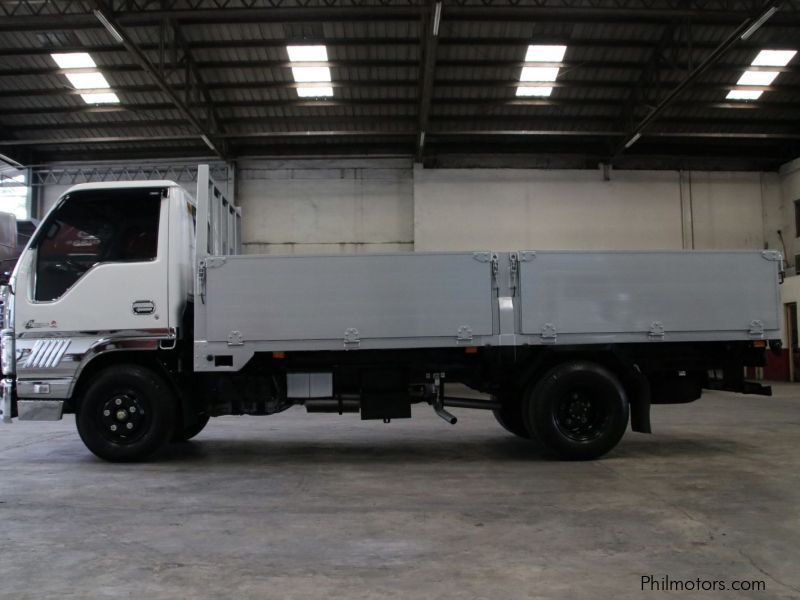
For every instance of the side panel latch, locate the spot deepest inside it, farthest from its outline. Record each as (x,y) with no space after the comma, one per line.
(352,339)
(656,330)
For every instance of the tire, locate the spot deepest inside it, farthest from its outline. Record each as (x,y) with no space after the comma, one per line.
(187,433)
(126,414)
(510,417)
(577,410)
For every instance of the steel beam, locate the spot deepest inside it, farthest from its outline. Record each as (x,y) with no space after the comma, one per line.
(431,26)
(513,104)
(194,74)
(405,133)
(649,75)
(519,121)
(105,17)
(64,14)
(779,39)
(494,65)
(742,31)
(408,84)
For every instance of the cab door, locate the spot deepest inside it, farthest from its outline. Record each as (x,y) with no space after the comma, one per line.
(97,264)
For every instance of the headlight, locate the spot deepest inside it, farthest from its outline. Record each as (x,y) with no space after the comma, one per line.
(7,300)
(7,353)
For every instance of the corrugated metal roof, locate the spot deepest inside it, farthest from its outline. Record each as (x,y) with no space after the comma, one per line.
(615,70)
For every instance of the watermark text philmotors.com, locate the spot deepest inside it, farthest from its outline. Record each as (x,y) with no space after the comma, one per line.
(665,583)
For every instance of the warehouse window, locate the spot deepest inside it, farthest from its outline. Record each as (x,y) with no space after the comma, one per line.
(90,228)
(14,195)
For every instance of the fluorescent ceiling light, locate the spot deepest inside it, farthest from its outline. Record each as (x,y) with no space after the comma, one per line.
(100,98)
(73,60)
(744,95)
(757,25)
(109,27)
(307,53)
(633,139)
(87,81)
(773,58)
(541,92)
(539,74)
(311,74)
(757,77)
(315,92)
(545,53)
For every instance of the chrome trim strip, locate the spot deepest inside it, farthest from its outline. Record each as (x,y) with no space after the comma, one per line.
(58,388)
(47,353)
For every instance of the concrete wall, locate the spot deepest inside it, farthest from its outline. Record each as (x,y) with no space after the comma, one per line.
(789,177)
(511,209)
(303,207)
(387,205)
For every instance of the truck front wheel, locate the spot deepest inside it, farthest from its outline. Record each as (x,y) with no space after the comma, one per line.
(126,414)
(184,434)
(578,410)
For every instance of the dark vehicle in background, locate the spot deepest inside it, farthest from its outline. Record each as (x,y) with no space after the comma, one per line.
(14,236)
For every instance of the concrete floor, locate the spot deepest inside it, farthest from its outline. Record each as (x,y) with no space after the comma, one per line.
(320,506)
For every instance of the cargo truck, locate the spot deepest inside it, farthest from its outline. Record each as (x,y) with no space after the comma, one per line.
(134,308)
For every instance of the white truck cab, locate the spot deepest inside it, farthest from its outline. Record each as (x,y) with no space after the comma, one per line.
(110,268)
(134,308)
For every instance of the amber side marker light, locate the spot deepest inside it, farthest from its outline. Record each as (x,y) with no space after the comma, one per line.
(760,344)
(279,355)
(471,350)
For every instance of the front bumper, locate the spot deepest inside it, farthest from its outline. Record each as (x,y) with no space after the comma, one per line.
(8,404)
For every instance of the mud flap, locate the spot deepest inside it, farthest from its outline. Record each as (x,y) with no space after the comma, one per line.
(639,389)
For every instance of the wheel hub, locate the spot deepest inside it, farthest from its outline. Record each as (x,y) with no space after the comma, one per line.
(122,417)
(581,416)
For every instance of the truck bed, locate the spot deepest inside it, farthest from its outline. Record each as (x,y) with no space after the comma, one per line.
(248,304)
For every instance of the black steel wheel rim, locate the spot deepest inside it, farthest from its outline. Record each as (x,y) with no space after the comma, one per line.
(582,414)
(123,418)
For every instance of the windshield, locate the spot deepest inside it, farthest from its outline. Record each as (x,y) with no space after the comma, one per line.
(92,227)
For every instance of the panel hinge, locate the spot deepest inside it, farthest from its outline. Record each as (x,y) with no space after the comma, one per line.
(513,271)
(464,334)
(756,328)
(213,262)
(549,333)
(352,339)
(491,258)
(656,330)
(235,338)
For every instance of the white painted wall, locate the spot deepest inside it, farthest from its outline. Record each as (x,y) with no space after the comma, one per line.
(789,176)
(386,205)
(325,206)
(504,209)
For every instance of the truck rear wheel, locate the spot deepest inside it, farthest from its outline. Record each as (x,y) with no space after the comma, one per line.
(578,410)
(126,414)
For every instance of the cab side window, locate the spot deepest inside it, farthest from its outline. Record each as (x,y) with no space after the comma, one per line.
(93,227)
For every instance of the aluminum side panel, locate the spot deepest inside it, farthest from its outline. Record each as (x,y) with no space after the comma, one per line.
(321,297)
(621,292)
